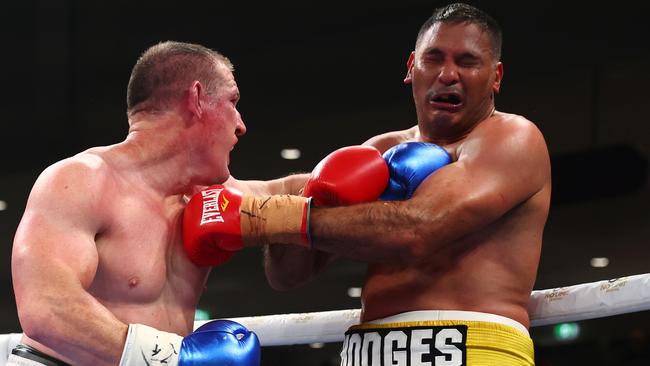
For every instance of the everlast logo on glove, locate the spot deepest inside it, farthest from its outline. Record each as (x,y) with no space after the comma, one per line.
(408,346)
(219,221)
(211,225)
(211,212)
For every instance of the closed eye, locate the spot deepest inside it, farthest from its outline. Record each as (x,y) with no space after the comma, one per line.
(468,60)
(434,55)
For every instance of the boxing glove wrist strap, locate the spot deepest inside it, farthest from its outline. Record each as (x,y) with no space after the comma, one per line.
(278,219)
(148,346)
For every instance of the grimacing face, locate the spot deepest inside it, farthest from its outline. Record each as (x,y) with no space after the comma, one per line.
(454,76)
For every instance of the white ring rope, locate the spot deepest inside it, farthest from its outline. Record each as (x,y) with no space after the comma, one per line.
(552,306)
(562,304)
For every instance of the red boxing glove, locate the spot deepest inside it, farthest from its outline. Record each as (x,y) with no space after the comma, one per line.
(349,175)
(220,220)
(214,209)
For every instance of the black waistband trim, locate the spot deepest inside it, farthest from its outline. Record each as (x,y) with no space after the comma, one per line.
(30,353)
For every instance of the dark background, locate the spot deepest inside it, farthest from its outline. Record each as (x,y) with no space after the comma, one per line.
(324,75)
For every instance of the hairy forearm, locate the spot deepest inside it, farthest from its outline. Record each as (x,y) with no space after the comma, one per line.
(392,232)
(363,232)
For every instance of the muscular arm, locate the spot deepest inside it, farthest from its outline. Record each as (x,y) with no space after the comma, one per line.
(291,184)
(286,266)
(289,267)
(54,261)
(498,168)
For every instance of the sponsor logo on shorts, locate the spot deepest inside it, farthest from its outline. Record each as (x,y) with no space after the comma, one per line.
(409,346)
(211,212)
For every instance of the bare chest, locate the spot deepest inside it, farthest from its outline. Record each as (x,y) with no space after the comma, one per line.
(141,258)
(491,270)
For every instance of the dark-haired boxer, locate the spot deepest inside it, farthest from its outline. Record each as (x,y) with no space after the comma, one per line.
(451,267)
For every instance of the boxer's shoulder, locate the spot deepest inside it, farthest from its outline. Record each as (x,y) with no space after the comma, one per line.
(73,188)
(506,124)
(489,135)
(83,170)
(387,140)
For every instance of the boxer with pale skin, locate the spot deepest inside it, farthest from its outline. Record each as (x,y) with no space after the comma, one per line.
(99,271)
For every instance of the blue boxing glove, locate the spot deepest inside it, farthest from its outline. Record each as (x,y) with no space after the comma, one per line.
(409,164)
(218,342)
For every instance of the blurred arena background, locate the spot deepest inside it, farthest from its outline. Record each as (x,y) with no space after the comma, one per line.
(322,75)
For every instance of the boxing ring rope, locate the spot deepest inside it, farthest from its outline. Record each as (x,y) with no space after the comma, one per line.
(563,304)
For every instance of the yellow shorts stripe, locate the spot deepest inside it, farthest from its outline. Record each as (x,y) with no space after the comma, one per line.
(487,343)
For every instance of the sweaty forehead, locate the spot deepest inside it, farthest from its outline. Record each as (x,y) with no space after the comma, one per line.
(455,38)
(224,72)
(227,78)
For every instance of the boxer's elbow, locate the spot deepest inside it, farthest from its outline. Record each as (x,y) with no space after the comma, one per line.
(286,279)
(286,267)
(37,322)
(45,315)
(277,279)
(282,283)
(295,267)
(34,313)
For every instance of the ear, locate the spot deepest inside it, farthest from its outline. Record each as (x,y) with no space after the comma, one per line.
(409,68)
(498,77)
(194,100)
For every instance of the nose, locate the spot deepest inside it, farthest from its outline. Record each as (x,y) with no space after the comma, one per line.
(448,74)
(240,129)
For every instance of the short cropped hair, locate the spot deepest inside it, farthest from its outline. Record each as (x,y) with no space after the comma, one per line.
(463,13)
(164,71)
